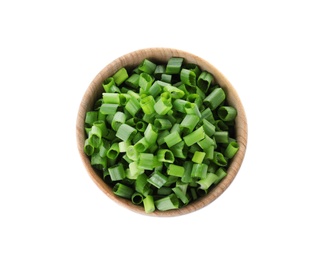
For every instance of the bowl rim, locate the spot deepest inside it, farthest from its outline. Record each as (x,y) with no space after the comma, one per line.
(162,54)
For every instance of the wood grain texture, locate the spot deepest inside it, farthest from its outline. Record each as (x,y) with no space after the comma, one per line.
(162,55)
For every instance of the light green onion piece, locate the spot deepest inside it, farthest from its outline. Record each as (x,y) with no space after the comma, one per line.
(188,77)
(124,98)
(147,66)
(194,137)
(141,126)
(199,170)
(148,204)
(91,117)
(160,69)
(175,92)
(172,139)
(157,179)
(108,109)
(165,155)
(231,150)
(132,153)
(180,150)
(227,113)
(221,173)
(150,134)
(134,171)
(166,78)
(215,98)
(188,123)
(137,198)
(145,81)
(113,151)
(187,178)
(125,132)
(108,84)
(118,119)
(192,109)
(155,89)
(175,170)
(162,106)
(174,65)
(204,81)
(198,157)
(206,142)
(98,162)
(120,76)
(123,146)
(146,161)
(117,172)
(122,190)
(179,105)
(167,203)
(132,106)
(111,98)
(95,136)
(162,124)
(147,104)
(208,127)
(210,179)
(219,159)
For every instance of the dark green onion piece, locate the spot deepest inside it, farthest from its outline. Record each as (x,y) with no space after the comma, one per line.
(181,195)
(142,185)
(210,179)
(98,162)
(91,117)
(204,81)
(95,136)
(227,113)
(146,161)
(219,159)
(118,119)
(172,139)
(160,69)
(88,148)
(180,150)
(122,190)
(108,84)
(133,81)
(221,173)
(167,203)
(137,198)
(113,151)
(221,137)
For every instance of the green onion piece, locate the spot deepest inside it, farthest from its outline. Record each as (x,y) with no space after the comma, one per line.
(136,138)
(219,159)
(122,146)
(132,106)
(98,162)
(141,126)
(193,193)
(231,150)
(95,136)
(175,170)
(146,161)
(108,109)
(166,78)
(122,190)
(174,65)
(132,153)
(137,198)
(199,170)
(221,173)
(120,76)
(172,139)
(208,115)
(215,98)
(147,104)
(188,123)
(179,150)
(198,157)
(162,124)
(221,137)
(221,126)
(111,98)
(161,137)
(150,134)
(163,105)
(192,109)
(179,105)
(134,171)
(108,84)
(147,66)
(113,151)
(157,179)
(167,203)
(196,99)
(91,117)
(175,92)
(194,137)
(187,178)
(188,77)
(118,119)
(125,132)
(210,179)
(124,98)
(165,155)
(227,113)
(117,172)
(160,69)
(142,185)
(164,191)
(133,81)
(155,89)
(208,127)
(181,195)
(206,142)
(145,81)
(148,204)
(204,81)
(88,148)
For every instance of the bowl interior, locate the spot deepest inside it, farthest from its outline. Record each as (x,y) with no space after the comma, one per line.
(162,55)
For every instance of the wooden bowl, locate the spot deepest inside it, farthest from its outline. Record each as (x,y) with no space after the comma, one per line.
(162,55)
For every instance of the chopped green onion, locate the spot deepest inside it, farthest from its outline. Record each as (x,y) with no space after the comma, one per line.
(122,190)
(204,81)
(132,106)
(162,106)
(148,204)
(88,148)
(167,203)
(175,170)
(181,195)
(108,109)
(198,157)
(142,185)
(172,139)
(145,81)
(118,119)
(113,151)
(160,69)
(194,137)
(188,123)
(147,66)
(165,155)
(219,159)
(147,104)
(227,113)
(221,137)
(188,77)
(157,179)
(215,98)
(133,81)
(120,76)
(95,136)
(111,98)
(199,170)
(108,84)
(117,172)
(146,161)
(137,198)
(125,132)
(231,150)
(162,124)
(174,65)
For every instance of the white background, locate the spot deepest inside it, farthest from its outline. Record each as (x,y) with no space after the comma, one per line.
(271,51)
